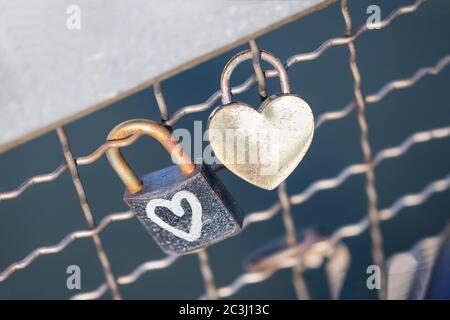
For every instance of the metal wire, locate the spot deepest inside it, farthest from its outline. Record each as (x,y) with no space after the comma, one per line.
(325,184)
(160,101)
(258,70)
(246,85)
(385,90)
(321,119)
(208,277)
(301,288)
(47,177)
(285,201)
(346,173)
(371,191)
(60,246)
(328,116)
(205,267)
(85,160)
(340,234)
(130,278)
(101,253)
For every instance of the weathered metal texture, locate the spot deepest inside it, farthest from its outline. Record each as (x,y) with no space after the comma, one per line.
(178,223)
(275,137)
(152,129)
(262,146)
(51,75)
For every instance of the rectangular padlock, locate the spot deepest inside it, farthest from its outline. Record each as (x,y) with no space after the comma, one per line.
(185,213)
(184,207)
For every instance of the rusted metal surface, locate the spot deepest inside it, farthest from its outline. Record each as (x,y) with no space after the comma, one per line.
(154,130)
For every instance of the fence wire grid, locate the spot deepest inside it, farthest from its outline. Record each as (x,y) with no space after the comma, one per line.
(370,222)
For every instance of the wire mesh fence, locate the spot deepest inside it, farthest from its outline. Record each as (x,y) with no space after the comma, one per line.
(286,198)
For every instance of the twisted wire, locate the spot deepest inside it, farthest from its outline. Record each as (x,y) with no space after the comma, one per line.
(321,119)
(339,235)
(328,116)
(60,246)
(333,42)
(371,191)
(300,285)
(343,232)
(357,228)
(138,272)
(99,247)
(207,274)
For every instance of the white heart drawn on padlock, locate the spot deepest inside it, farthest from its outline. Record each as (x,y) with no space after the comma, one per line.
(175,207)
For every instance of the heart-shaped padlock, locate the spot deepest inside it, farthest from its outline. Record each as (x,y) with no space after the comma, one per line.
(261,146)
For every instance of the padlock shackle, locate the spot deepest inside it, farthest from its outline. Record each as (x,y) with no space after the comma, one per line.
(247,55)
(154,130)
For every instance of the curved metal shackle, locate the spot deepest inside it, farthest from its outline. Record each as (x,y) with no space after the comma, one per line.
(154,130)
(247,55)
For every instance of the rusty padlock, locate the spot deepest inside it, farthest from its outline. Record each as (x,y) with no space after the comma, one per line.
(185,207)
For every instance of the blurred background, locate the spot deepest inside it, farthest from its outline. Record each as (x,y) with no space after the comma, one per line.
(44,214)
